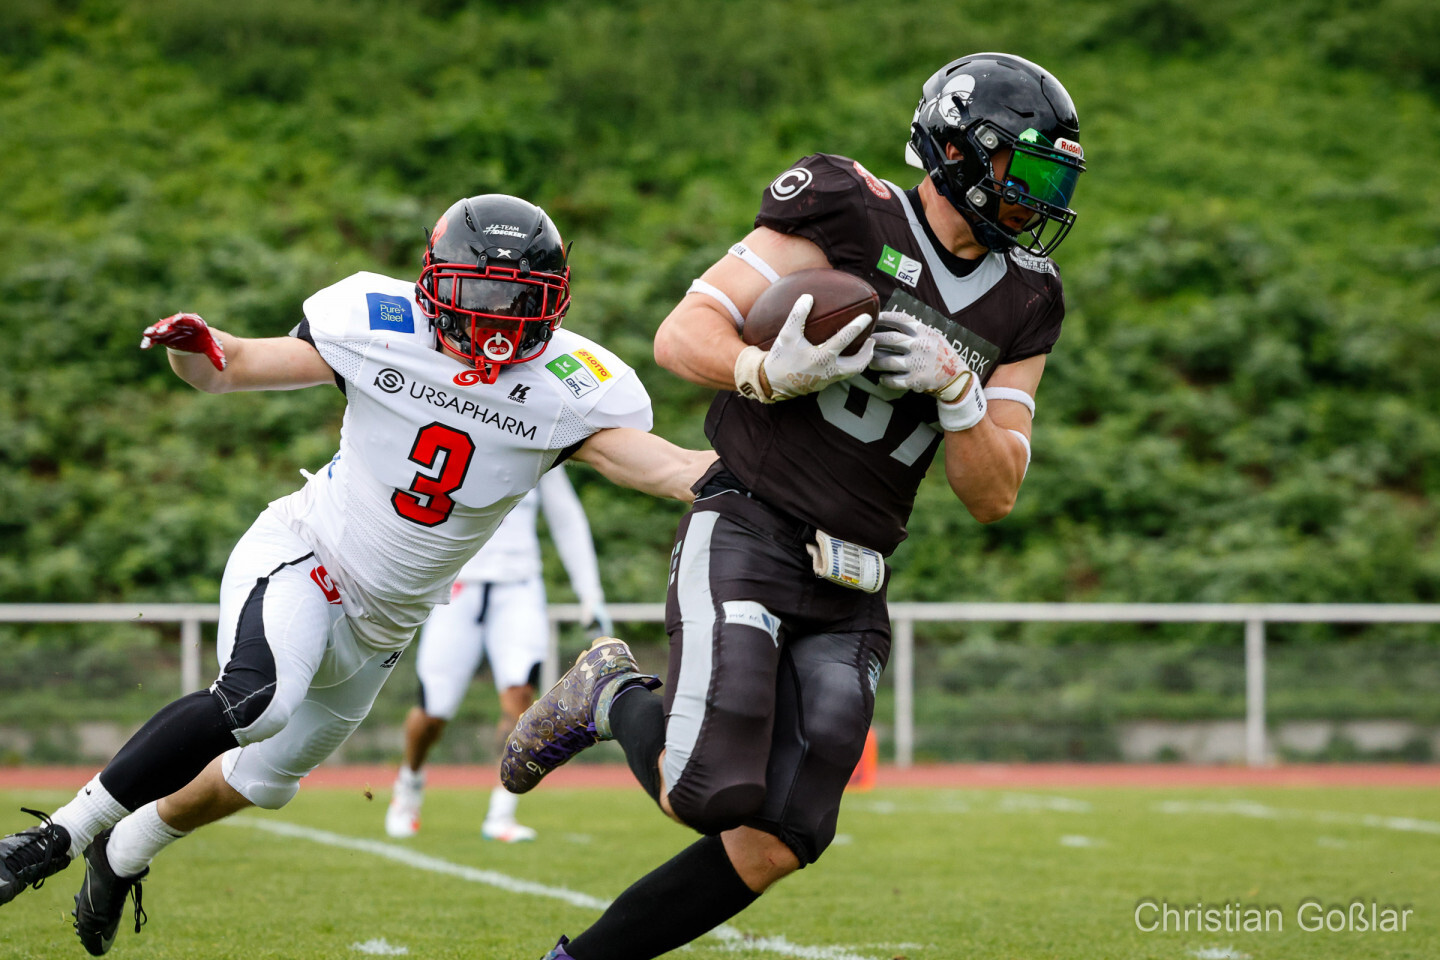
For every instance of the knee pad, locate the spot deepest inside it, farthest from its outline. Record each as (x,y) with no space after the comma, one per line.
(716,810)
(256,782)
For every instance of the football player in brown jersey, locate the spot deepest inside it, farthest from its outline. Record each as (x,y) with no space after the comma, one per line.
(776,606)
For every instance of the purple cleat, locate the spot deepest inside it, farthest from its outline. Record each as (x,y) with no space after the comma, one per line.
(573,715)
(559,953)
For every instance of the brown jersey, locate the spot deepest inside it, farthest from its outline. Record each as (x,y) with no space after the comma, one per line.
(850,458)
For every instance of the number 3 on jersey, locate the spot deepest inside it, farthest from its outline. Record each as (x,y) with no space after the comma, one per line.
(444,454)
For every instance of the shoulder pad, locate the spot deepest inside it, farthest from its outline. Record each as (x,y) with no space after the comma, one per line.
(365,305)
(817,173)
(599,386)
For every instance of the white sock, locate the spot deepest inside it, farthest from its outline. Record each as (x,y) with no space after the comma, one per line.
(411,779)
(502,806)
(138,838)
(91,812)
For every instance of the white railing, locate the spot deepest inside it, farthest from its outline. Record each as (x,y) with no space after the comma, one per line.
(903,618)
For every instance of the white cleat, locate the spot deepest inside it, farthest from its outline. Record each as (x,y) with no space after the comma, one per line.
(507,831)
(402,819)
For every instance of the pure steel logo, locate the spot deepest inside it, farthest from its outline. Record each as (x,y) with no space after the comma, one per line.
(390,380)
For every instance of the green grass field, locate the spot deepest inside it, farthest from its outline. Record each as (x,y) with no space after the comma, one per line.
(915,873)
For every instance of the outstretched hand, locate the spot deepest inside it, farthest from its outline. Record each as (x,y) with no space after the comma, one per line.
(187,333)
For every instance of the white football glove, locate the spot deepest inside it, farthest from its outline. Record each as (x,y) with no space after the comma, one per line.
(912,355)
(795,366)
(596,619)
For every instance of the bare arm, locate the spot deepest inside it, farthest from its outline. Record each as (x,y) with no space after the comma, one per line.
(215,362)
(986,463)
(698,341)
(268,363)
(642,461)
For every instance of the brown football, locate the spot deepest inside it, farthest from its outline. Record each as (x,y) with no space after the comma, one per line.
(839,298)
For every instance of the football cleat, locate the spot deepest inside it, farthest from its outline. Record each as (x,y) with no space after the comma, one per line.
(559,953)
(402,818)
(506,831)
(28,857)
(101,901)
(571,716)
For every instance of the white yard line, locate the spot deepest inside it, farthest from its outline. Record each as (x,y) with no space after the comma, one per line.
(1246,808)
(733,939)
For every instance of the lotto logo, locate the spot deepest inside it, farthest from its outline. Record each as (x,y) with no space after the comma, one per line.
(596,367)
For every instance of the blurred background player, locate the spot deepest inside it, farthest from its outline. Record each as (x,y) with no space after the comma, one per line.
(497,610)
(773,664)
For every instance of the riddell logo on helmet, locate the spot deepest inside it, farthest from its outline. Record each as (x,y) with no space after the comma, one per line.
(1070,147)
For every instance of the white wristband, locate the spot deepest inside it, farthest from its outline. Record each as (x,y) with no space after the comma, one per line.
(747,375)
(964,413)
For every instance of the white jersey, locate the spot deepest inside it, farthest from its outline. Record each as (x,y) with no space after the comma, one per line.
(431,458)
(513,553)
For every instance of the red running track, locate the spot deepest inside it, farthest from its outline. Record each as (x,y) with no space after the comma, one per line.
(966,776)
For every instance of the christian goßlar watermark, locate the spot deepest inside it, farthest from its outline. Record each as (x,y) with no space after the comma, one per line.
(1310,915)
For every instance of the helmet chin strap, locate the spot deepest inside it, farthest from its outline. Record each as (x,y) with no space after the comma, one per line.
(986,234)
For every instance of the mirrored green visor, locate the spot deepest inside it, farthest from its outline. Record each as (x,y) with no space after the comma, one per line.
(1044,171)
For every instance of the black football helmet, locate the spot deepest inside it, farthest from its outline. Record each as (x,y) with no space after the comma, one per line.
(496,284)
(984,104)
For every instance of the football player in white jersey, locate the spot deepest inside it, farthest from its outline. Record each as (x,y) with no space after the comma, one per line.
(462,391)
(496,610)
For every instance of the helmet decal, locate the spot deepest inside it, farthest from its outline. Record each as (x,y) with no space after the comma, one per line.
(505,230)
(958,92)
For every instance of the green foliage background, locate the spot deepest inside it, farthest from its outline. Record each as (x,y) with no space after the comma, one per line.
(1242,406)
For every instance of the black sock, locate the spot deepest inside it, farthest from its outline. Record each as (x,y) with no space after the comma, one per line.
(687,896)
(637,719)
(169,751)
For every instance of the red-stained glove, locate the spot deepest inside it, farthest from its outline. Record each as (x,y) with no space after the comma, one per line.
(187,333)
